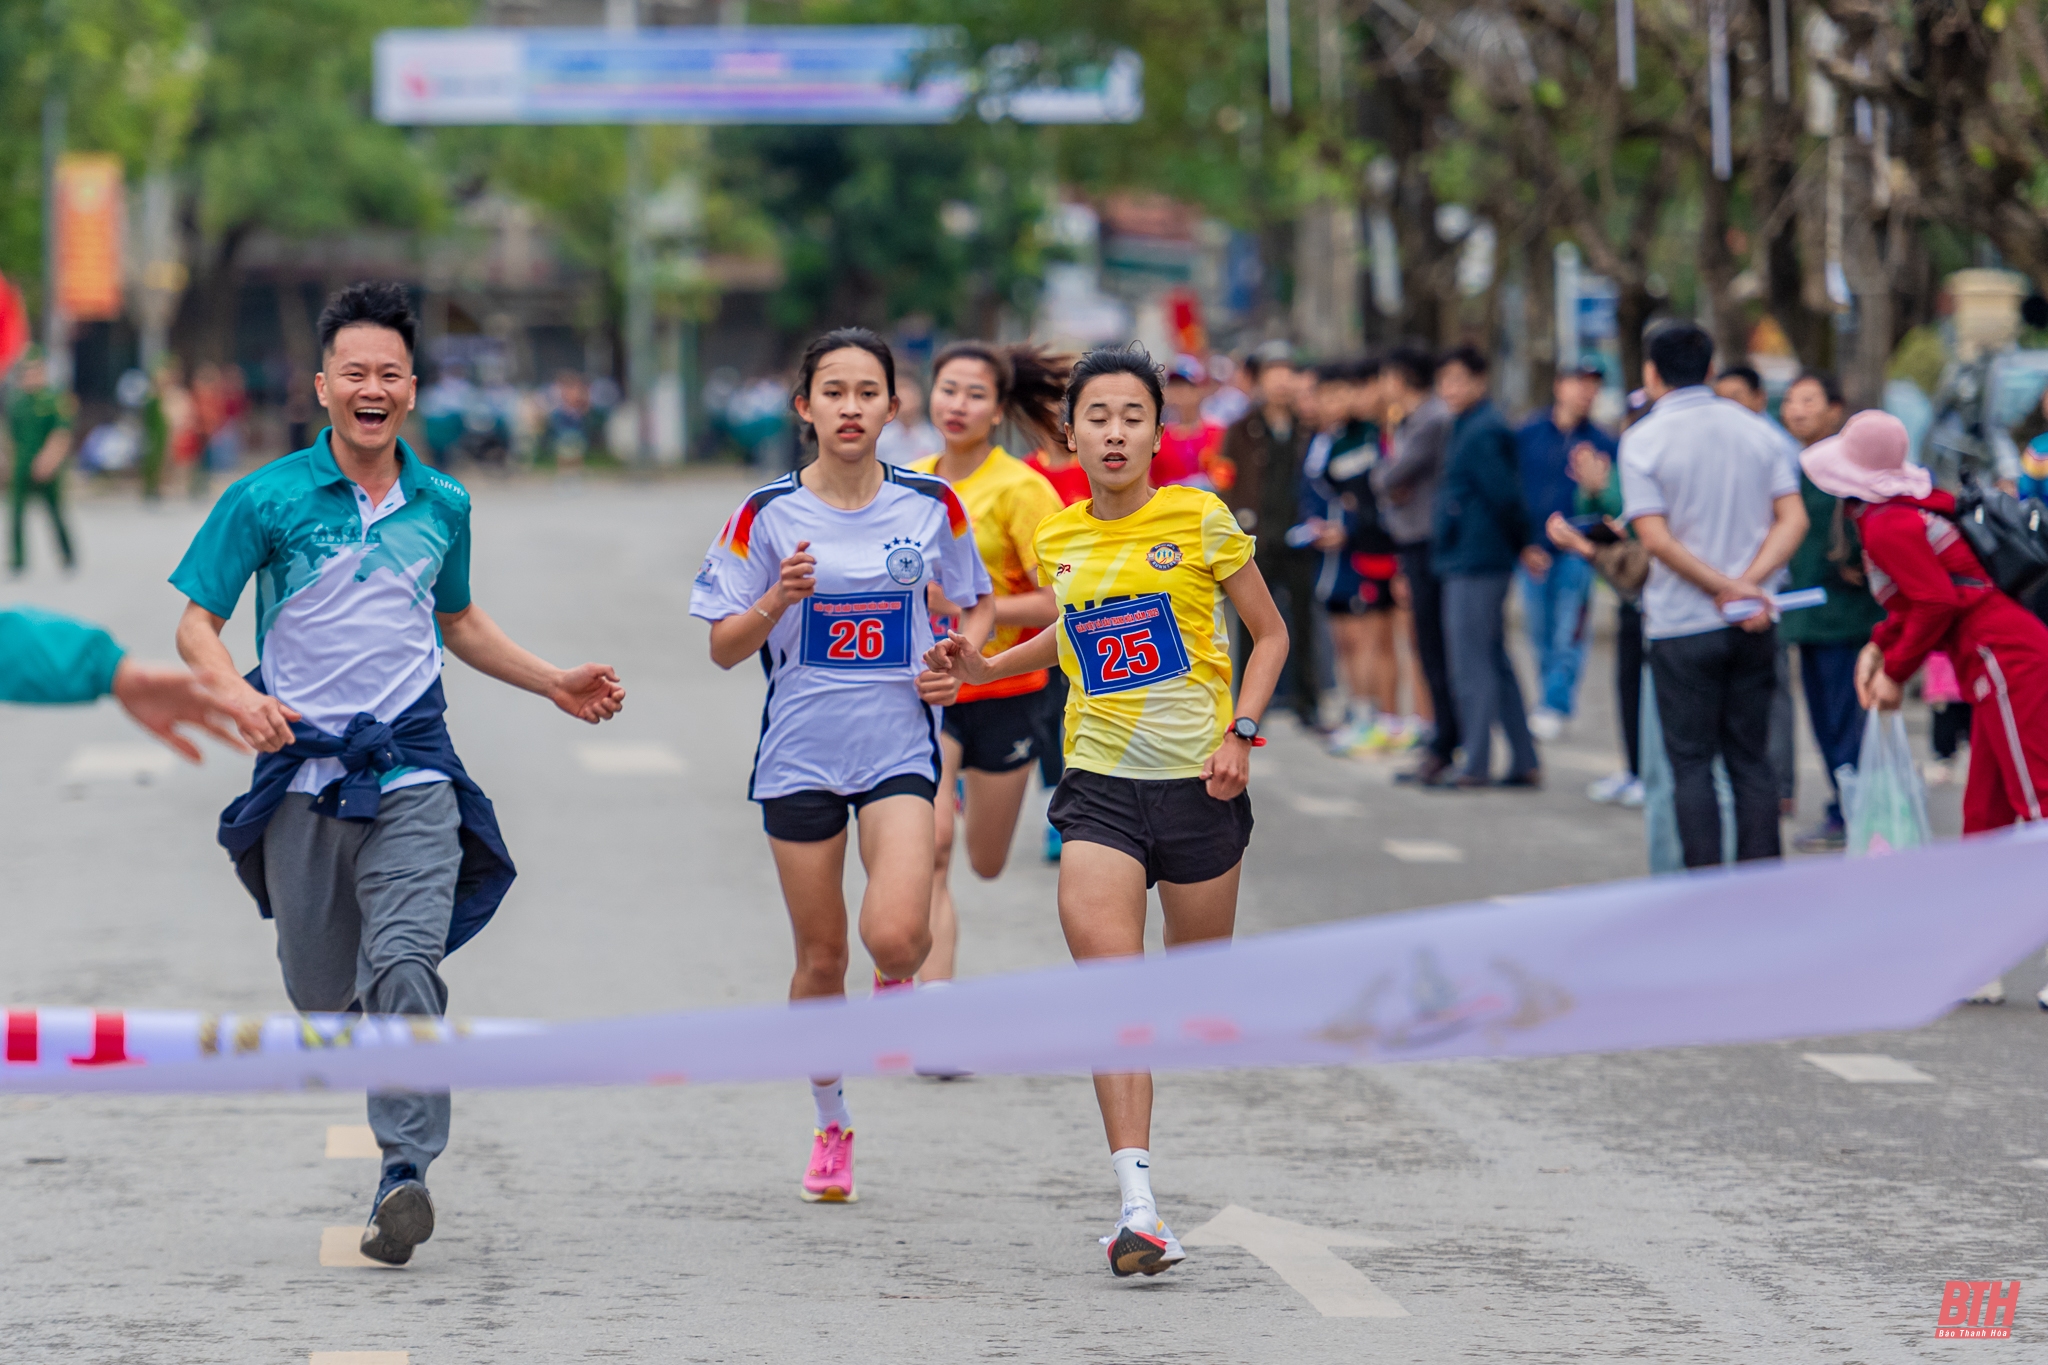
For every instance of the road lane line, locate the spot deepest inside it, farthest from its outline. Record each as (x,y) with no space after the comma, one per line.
(1332,807)
(342,1247)
(118,763)
(1302,1257)
(1423,851)
(1869,1068)
(630,760)
(352,1141)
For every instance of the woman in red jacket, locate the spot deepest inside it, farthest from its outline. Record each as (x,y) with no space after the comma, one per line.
(1937,596)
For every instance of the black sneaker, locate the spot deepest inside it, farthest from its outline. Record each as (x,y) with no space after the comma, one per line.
(1430,772)
(402,1217)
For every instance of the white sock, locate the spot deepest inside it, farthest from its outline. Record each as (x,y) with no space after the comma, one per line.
(1134,1174)
(830,1097)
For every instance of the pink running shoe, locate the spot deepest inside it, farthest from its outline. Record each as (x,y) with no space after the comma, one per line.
(889,985)
(830,1178)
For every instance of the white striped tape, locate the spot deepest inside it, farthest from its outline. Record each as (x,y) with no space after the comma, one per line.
(1763,952)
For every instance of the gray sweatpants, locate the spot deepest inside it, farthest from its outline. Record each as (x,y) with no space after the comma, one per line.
(362,910)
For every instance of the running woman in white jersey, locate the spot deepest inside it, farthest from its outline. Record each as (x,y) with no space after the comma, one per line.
(991,735)
(1157,756)
(823,574)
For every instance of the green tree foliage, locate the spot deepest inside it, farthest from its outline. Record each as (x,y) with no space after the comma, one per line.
(129,72)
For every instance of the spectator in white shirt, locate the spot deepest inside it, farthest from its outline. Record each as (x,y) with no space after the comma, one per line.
(1706,487)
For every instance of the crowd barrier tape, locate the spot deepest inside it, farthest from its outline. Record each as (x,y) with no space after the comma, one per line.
(1769,951)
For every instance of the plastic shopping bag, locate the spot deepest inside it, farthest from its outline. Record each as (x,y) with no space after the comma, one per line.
(1883,798)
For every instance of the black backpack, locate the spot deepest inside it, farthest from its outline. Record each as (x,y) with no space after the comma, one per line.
(2008,536)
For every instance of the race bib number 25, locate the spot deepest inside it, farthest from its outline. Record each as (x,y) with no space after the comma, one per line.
(1126,645)
(864,630)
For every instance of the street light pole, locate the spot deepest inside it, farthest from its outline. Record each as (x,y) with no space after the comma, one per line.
(1279,57)
(56,333)
(623,17)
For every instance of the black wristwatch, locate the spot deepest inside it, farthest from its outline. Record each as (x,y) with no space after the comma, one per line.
(1246,729)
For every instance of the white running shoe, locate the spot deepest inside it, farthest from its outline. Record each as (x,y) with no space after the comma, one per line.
(1547,724)
(1991,992)
(2042,998)
(1634,795)
(1142,1243)
(1609,789)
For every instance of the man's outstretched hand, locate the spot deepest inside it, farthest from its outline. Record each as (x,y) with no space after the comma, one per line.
(162,697)
(589,692)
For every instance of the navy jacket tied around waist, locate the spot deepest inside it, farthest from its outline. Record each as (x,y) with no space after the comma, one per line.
(368,748)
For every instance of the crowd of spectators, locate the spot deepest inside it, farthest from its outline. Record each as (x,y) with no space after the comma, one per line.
(1397,511)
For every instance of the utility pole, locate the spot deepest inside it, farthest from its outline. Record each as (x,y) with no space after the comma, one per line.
(1279,57)
(56,331)
(623,17)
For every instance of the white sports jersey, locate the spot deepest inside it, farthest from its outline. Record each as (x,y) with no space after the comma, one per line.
(843,711)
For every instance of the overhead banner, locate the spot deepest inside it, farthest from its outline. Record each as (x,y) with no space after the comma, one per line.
(794,74)
(1747,955)
(89,217)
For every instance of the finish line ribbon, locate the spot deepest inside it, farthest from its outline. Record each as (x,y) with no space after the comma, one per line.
(1745,955)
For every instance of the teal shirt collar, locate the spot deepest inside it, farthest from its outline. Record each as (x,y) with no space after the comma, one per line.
(412,475)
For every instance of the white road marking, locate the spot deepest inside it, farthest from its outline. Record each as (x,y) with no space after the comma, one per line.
(1423,851)
(1597,762)
(630,760)
(1334,807)
(349,1141)
(1302,1257)
(1869,1068)
(118,763)
(343,1247)
(360,1358)
(2039,1163)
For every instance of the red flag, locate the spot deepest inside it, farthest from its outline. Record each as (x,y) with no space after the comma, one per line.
(14,332)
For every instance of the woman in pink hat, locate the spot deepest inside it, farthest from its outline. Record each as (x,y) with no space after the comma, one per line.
(1937,596)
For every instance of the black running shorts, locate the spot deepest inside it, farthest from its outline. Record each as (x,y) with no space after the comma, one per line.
(1173,826)
(812,817)
(997,734)
(1373,595)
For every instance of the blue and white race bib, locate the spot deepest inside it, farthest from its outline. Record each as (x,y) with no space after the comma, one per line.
(861,630)
(1127,645)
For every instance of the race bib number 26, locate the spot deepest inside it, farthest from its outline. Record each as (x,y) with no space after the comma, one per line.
(863,630)
(1126,645)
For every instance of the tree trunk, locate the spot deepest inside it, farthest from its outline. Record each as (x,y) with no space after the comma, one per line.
(1717,274)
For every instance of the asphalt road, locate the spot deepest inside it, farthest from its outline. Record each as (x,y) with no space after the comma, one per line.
(1713,1204)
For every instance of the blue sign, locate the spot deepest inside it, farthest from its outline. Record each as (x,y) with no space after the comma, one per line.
(1599,319)
(1126,645)
(857,631)
(713,74)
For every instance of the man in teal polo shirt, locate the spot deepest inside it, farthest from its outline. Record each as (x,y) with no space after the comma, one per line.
(362,834)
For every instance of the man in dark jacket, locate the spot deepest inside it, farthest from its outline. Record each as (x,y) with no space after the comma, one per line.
(1482,530)
(1555,605)
(1405,485)
(1266,447)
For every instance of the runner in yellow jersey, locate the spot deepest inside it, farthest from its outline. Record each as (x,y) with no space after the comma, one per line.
(1157,756)
(992,733)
